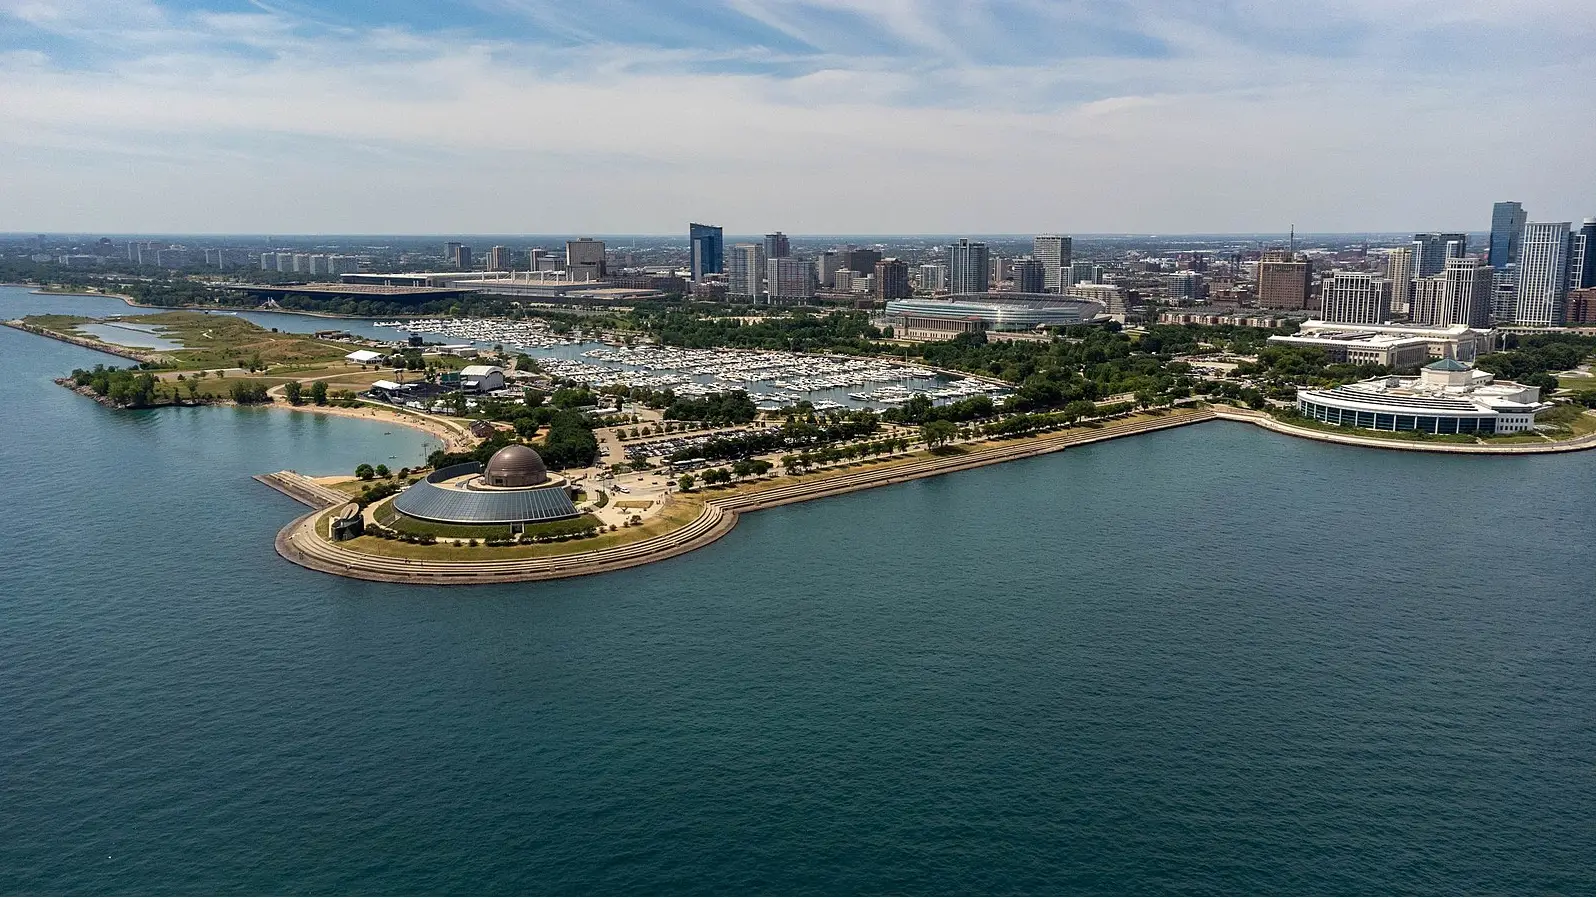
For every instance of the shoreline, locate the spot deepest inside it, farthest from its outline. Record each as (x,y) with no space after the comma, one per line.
(1268,422)
(300,544)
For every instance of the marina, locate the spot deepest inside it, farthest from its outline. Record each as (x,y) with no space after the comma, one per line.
(773,379)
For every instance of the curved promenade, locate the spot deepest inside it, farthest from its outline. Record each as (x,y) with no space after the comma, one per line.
(1268,422)
(299,543)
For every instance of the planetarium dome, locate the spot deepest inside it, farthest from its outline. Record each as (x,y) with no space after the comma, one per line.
(515,466)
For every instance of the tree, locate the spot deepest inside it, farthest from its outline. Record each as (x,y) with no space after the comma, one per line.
(294,393)
(1080,408)
(365,471)
(936,433)
(318,392)
(382,471)
(743,467)
(685,482)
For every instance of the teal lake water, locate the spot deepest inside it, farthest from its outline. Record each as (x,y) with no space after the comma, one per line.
(1208,660)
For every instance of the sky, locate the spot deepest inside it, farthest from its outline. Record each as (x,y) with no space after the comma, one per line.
(808,116)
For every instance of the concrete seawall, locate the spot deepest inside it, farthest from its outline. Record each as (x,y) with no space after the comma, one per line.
(1351,438)
(300,544)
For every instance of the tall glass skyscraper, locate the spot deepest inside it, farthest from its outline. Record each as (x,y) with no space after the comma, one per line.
(968,268)
(1582,256)
(706,246)
(1507,228)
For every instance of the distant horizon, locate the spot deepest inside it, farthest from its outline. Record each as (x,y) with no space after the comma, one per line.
(682,235)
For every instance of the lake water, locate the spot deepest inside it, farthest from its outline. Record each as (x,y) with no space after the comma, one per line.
(1208,660)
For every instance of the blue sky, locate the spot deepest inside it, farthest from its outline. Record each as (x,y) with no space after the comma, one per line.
(812,116)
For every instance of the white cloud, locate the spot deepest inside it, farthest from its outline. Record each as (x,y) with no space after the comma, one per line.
(261,122)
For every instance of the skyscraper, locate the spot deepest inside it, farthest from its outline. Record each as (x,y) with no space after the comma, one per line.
(1355,297)
(1029,275)
(1399,270)
(968,271)
(1283,284)
(1542,274)
(892,279)
(1461,294)
(863,261)
(789,281)
(1054,253)
(827,264)
(1084,273)
(1507,228)
(777,246)
(706,249)
(1430,252)
(584,259)
(1582,256)
(451,253)
(499,259)
(745,273)
(933,277)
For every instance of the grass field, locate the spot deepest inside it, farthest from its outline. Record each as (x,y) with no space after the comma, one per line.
(216,341)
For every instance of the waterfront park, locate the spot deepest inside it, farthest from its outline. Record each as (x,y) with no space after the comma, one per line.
(627,475)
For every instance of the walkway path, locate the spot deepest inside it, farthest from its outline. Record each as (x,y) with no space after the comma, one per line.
(299,543)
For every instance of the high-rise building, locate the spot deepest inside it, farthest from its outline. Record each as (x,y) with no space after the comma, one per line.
(1185,287)
(1504,299)
(934,277)
(584,259)
(451,253)
(301,263)
(318,264)
(342,264)
(268,261)
(1507,228)
(1029,275)
(1542,274)
(862,261)
(968,270)
(843,282)
(745,273)
(1461,294)
(1430,252)
(1053,252)
(1355,297)
(1283,284)
(1085,273)
(706,245)
(777,246)
(1399,271)
(789,281)
(537,259)
(892,279)
(499,259)
(1581,306)
(1582,256)
(827,264)
(998,269)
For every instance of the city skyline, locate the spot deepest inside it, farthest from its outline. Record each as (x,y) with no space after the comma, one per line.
(214,116)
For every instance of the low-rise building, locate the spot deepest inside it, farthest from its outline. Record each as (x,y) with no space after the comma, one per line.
(481,378)
(1447,397)
(1392,345)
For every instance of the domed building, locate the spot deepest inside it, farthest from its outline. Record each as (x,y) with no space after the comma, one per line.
(515,487)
